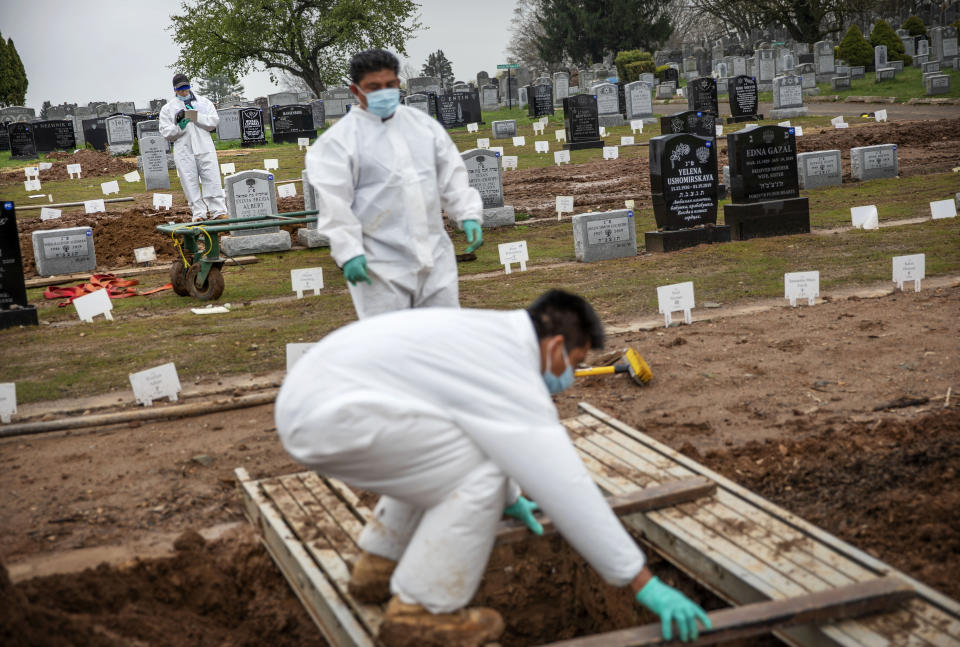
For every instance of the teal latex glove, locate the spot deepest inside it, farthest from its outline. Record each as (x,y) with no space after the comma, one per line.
(673,606)
(183,123)
(523,508)
(355,270)
(474,234)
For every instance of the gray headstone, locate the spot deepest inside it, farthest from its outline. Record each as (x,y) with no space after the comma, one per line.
(767,66)
(819,168)
(283,99)
(823,58)
(64,251)
(950,47)
(489,96)
(857,72)
(504,129)
(840,83)
(885,74)
(77,130)
(896,65)
(147,127)
(739,66)
(665,91)
(522,97)
(880,56)
(418,101)
(153,156)
(319,111)
(936,83)
(229,127)
(561,87)
(119,134)
(788,97)
(335,101)
(923,48)
(484,175)
(251,194)
(126,107)
(607,101)
(873,162)
(605,235)
(639,100)
(423,85)
(930,66)
(309,236)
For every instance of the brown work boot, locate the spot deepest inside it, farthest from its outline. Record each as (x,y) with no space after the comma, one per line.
(410,625)
(370,579)
(222,216)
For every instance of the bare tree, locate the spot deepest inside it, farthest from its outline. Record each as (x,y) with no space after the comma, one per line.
(525,30)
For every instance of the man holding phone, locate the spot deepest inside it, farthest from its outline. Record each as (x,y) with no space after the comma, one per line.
(187,121)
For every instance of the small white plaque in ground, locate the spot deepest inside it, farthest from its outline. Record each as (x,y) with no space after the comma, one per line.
(155,383)
(784,124)
(603,131)
(73,169)
(909,268)
(46,213)
(513,253)
(943,209)
(8,401)
(611,152)
(627,140)
(561,157)
(94,206)
(561,135)
(472,128)
(636,126)
(542,146)
(145,254)
(865,217)
(132,176)
(509,161)
(310,278)
(287,190)
(836,121)
(271,163)
(519,140)
(880,115)
(90,305)
(628,204)
(31,185)
(229,168)
(798,131)
(31,171)
(673,298)
(497,149)
(110,187)
(538,128)
(801,285)
(483,142)
(564,205)
(162,200)
(303,142)
(718,130)
(295,352)
(45,166)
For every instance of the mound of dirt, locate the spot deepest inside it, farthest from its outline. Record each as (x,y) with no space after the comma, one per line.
(891,488)
(92,164)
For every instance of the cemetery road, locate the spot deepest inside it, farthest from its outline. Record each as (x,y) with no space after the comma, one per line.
(895,111)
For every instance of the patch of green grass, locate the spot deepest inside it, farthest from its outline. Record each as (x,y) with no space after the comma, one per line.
(907,85)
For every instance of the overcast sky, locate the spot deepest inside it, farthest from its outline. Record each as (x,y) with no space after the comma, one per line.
(120,50)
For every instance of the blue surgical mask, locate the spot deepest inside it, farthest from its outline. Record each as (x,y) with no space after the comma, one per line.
(564,381)
(383,103)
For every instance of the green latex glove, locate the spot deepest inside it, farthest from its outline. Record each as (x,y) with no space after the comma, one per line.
(183,123)
(474,234)
(355,270)
(673,606)
(523,508)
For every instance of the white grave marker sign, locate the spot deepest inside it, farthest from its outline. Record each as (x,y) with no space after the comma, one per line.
(672,298)
(295,352)
(310,278)
(801,285)
(798,131)
(472,128)
(943,209)
(909,268)
(45,166)
(73,169)
(162,201)
(519,140)
(94,206)
(561,157)
(564,205)
(784,124)
(46,213)
(132,176)
(90,305)
(31,185)
(8,401)
(636,126)
(509,161)
(155,383)
(538,128)
(229,168)
(628,204)
(483,142)
(145,254)
(865,217)
(513,253)
(496,149)
(611,152)
(271,163)
(287,190)
(880,115)
(110,187)
(31,171)
(302,143)
(561,135)
(626,140)
(542,146)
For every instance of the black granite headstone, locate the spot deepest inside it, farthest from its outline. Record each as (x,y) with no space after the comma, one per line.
(702,95)
(95,132)
(291,123)
(692,122)
(742,95)
(55,134)
(671,74)
(539,100)
(4,138)
(683,181)
(457,109)
(622,98)
(581,122)
(251,127)
(22,144)
(14,309)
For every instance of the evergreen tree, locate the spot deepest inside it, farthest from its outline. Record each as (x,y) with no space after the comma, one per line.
(915,26)
(44,109)
(6,74)
(217,86)
(18,90)
(854,48)
(883,34)
(438,65)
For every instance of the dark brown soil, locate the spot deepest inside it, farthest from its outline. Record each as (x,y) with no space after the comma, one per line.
(92,163)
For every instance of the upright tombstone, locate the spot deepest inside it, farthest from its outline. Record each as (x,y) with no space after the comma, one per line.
(458,109)
(819,168)
(767,68)
(605,235)
(951,52)
(22,144)
(4,137)
(319,113)
(423,85)
(485,175)
(739,66)
(418,101)
(764,187)
(581,122)
(639,102)
(539,100)
(64,251)
(671,75)
(251,127)
(504,129)
(561,87)
(337,100)
(283,99)
(153,158)
(692,122)
(743,98)
(229,127)
(95,132)
(15,310)
(53,135)
(684,188)
(310,236)
(702,95)
(874,162)
(489,97)
(252,195)
(823,60)
(935,83)
(126,107)
(147,127)
(608,105)
(119,134)
(291,122)
(788,98)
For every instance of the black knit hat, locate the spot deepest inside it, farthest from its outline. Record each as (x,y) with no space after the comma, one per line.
(180,79)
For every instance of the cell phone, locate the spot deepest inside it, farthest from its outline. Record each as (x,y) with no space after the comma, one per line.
(191,115)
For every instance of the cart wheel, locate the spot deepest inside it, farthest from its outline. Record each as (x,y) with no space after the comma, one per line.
(178,279)
(211,289)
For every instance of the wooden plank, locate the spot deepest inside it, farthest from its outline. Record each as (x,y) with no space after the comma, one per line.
(318,596)
(644,500)
(341,513)
(852,601)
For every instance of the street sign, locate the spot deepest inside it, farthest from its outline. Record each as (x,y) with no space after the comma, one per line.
(508,66)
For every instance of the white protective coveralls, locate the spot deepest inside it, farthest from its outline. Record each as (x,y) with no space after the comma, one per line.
(196,156)
(380,188)
(439,410)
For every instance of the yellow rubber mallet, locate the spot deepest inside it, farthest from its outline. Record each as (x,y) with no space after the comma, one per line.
(633,364)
